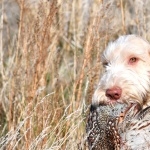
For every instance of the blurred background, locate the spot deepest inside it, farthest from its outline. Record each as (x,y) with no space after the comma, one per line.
(50,65)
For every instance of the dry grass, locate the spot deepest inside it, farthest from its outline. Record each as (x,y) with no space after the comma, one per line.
(49,71)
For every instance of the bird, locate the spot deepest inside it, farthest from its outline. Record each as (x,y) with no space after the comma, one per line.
(120,126)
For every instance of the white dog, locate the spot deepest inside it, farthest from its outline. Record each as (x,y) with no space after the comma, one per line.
(127,72)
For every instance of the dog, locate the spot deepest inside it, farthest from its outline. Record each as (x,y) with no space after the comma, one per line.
(126,77)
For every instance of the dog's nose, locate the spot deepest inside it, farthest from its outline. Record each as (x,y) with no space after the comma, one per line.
(114,93)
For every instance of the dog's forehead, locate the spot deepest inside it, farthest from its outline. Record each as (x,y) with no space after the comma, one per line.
(124,47)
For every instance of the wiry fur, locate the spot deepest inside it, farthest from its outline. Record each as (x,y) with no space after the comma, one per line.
(132,78)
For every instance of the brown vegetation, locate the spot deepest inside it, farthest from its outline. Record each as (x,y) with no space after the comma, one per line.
(49,71)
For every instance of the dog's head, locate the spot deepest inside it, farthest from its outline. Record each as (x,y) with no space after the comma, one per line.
(127,71)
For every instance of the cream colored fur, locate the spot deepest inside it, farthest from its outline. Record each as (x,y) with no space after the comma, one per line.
(132,77)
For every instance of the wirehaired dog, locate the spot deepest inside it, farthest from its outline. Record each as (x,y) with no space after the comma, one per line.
(127,72)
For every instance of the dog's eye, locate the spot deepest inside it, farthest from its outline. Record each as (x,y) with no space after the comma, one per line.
(133,60)
(105,64)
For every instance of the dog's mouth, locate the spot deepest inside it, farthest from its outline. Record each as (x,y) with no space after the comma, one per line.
(111,101)
(128,99)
